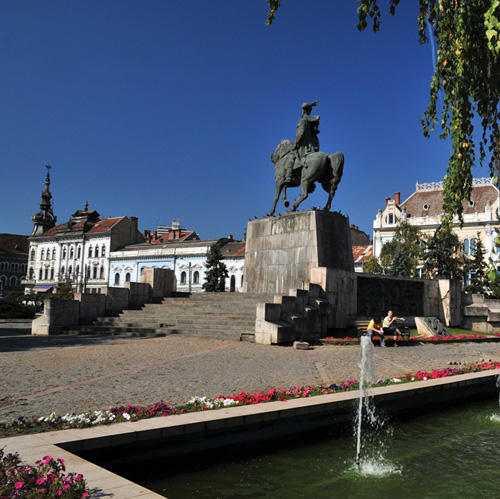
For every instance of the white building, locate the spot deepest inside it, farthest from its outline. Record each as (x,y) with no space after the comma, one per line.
(424,209)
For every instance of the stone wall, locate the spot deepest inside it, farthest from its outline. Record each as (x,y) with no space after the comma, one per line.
(162,281)
(281,251)
(91,306)
(56,315)
(117,299)
(481,314)
(140,293)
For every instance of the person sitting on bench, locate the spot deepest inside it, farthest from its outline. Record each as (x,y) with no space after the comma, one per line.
(375,327)
(387,325)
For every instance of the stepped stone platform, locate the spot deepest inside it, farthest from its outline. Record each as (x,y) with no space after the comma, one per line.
(228,316)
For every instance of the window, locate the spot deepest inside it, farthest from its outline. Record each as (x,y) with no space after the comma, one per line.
(103,250)
(31,273)
(101,273)
(40,274)
(232,284)
(3,280)
(127,277)
(72,253)
(64,253)
(426,207)
(96,254)
(62,270)
(32,257)
(473,243)
(54,254)
(471,203)
(94,273)
(79,252)
(13,281)
(77,271)
(196,277)
(70,271)
(183,277)
(117,279)
(241,281)
(42,254)
(391,218)
(46,274)
(90,251)
(466,246)
(51,274)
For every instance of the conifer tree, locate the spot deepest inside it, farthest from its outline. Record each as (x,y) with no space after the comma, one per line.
(215,276)
(441,255)
(477,268)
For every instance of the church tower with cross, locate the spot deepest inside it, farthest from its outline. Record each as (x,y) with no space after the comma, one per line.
(45,218)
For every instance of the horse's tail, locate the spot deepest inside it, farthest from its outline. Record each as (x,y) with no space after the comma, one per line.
(337,162)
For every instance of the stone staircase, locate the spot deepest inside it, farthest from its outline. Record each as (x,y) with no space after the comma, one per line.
(213,315)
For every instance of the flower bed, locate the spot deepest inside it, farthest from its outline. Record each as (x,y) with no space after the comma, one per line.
(46,479)
(452,338)
(135,413)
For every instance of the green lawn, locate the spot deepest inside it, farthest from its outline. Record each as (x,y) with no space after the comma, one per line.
(454,331)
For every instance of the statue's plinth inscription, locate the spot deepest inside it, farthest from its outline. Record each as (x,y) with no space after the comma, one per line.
(281,251)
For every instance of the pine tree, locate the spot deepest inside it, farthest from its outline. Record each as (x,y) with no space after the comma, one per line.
(215,276)
(477,267)
(441,255)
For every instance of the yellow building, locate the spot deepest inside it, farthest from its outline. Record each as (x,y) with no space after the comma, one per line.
(424,209)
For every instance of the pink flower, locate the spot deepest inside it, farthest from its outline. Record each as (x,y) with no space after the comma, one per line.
(18,485)
(66,486)
(40,481)
(59,492)
(41,491)
(85,494)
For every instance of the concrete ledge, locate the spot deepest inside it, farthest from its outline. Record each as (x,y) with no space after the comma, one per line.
(65,443)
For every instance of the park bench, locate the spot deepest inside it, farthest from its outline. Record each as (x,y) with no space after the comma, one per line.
(362,324)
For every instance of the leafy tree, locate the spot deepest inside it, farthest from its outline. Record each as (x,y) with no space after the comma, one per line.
(477,267)
(442,254)
(467,71)
(215,276)
(401,255)
(371,266)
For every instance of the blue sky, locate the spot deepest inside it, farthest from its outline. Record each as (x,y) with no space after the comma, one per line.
(170,109)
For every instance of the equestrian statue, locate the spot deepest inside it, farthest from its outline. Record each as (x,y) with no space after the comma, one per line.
(302,164)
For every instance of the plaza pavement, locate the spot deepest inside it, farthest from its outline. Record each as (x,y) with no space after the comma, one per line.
(39,375)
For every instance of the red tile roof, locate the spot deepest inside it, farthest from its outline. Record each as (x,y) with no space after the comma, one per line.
(361,254)
(14,243)
(105,225)
(233,248)
(176,236)
(480,195)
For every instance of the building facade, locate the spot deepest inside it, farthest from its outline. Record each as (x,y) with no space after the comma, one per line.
(424,209)
(13,262)
(187,258)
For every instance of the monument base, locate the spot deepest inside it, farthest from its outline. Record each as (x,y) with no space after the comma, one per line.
(281,251)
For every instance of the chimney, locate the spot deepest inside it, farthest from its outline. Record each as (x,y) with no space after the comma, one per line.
(155,235)
(397,196)
(230,237)
(387,201)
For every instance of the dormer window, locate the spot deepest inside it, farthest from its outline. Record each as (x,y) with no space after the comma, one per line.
(471,203)
(426,207)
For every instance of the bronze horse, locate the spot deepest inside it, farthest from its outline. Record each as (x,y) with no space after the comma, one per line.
(319,167)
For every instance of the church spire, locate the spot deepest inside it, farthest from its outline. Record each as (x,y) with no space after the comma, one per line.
(45,218)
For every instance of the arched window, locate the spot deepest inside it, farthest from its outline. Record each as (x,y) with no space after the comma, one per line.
(77,271)
(31,273)
(242,281)
(54,254)
(70,270)
(473,243)
(94,273)
(14,267)
(96,253)
(466,246)
(90,251)
(232,284)
(64,253)
(196,277)
(40,274)
(79,252)
(103,250)
(3,281)
(101,273)
(13,281)
(32,257)
(51,274)
(117,279)
(46,274)
(127,277)
(183,277)
(42,254)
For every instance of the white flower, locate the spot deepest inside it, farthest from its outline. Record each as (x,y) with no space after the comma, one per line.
(396,380)
(126,415)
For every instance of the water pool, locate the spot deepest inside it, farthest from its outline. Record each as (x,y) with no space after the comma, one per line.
(444,454)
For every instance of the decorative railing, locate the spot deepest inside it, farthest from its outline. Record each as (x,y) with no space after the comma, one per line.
(431,186)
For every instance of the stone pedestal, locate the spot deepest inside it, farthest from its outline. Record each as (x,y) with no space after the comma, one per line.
(281,251)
